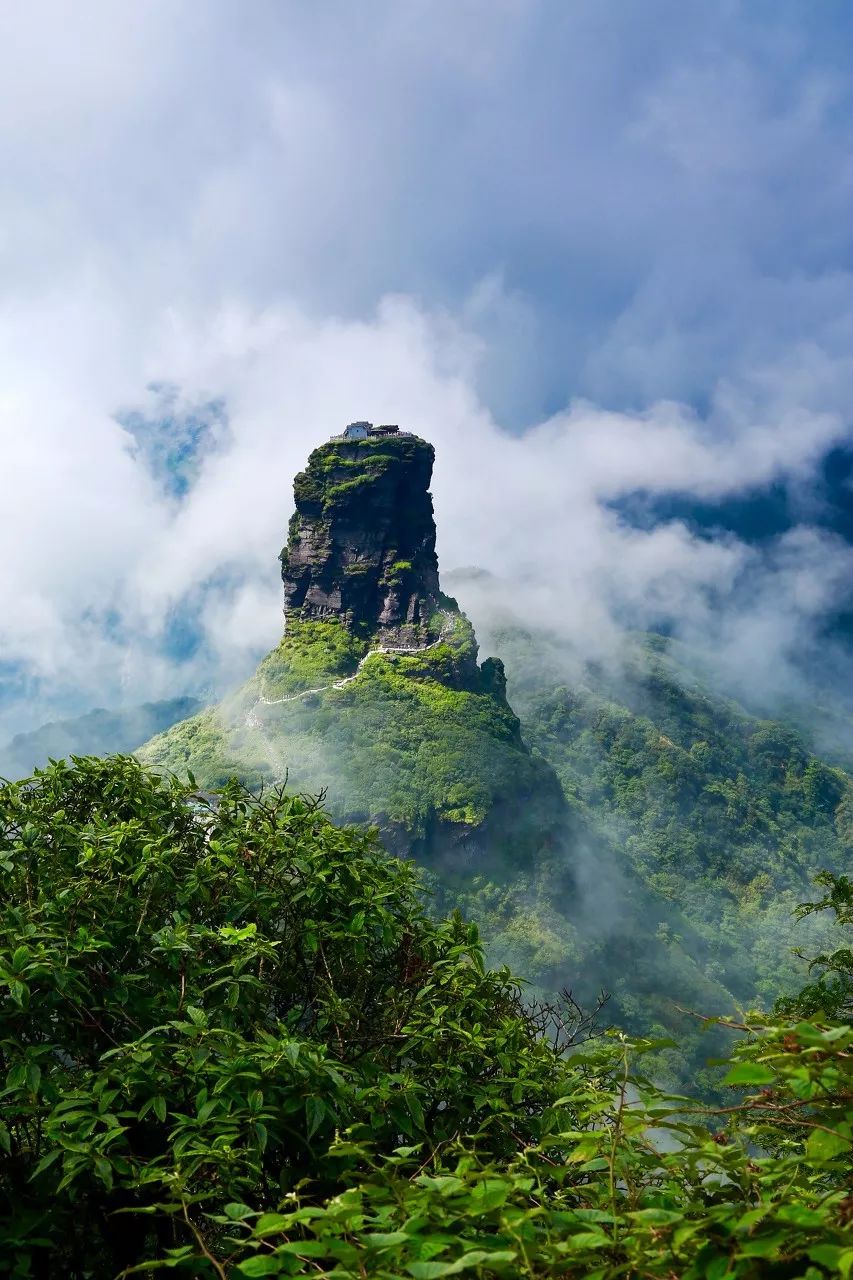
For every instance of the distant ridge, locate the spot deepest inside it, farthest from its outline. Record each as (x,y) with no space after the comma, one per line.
(99,732)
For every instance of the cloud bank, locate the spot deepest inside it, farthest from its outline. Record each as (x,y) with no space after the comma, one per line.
(583,260)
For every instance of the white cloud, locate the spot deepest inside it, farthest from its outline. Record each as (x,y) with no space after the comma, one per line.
(319,213)
(101,559)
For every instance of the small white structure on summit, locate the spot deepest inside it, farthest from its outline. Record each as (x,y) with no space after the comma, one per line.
(363,430)
(357,431)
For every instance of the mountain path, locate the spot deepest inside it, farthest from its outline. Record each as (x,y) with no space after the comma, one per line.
(252,720)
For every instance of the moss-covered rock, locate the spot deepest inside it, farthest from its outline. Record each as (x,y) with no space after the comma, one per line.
(422,744)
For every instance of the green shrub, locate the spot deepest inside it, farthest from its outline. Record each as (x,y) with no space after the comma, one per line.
(234,1044)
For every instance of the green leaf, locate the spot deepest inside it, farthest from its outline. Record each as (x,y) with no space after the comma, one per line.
(475,1258)
(430,1270)
(415,1109)
(766,1246)
(656,1217)
(822,1146)
(718,1268)
(45,1162)
(269,1224)
(828,1255)
(16,1076)
(443,1183)
(587,1240)
(19,993)
(801,1215)
(489,1194)
(303,1248)
(486,1257)
(315,1112)
(259,1266)
(237,1211)
(383,1239)
(749,1073)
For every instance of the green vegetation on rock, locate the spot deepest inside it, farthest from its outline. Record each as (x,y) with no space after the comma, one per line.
(361,542)
(423,744)
(201,746)
(311,653)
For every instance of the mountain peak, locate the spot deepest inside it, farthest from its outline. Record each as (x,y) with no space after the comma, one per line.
(361,542)
(374,696)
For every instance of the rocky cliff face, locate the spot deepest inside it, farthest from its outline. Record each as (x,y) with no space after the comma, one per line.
(361,544)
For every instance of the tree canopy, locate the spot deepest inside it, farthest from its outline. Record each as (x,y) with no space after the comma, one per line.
(234,1042)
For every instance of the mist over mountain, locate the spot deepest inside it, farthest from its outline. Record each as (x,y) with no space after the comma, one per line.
(766,516)
(374,695)
(617,823)
(97,733)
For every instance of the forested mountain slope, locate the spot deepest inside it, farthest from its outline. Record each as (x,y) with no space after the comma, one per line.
(696,829)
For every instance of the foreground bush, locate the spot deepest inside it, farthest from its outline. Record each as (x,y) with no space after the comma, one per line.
(233,1043)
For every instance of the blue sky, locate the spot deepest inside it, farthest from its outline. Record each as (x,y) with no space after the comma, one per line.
(617,234)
